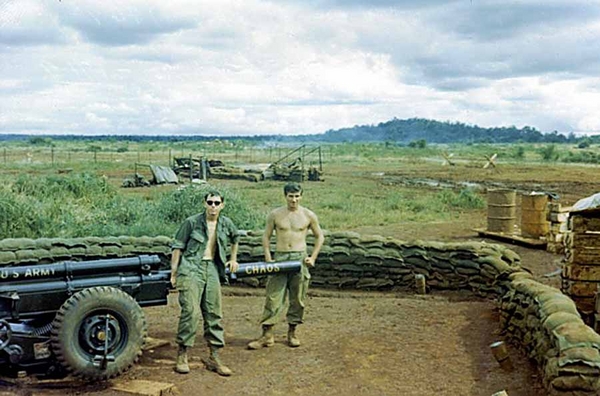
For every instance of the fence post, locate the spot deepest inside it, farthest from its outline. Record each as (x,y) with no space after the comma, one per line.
(52,154)
(5,155)
(191,168)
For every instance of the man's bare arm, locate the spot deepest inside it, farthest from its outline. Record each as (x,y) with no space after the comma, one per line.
(266,241)
(319,239)
(175,256)
(233,263)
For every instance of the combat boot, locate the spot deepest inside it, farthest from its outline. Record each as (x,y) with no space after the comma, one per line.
(213,363)
(266,340)
(293,341)
(182,366)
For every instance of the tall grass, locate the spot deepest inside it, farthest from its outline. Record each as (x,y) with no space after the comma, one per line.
(85,205)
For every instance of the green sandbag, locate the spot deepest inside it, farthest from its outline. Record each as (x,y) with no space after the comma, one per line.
(14,244)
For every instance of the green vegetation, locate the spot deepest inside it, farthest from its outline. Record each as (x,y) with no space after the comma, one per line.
(84,205)
(70,190)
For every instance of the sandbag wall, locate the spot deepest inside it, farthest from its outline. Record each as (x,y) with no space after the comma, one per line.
(546,324)
(21,251)
(352,261)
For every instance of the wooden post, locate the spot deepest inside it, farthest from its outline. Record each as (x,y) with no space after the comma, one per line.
(191,169)
(320,160)
(95,153)
(52,154)
(5,155)
(420,283)
(170,159)
(501,355)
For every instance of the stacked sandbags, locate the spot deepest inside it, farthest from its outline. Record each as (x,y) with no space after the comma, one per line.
(347,259)
(580,278)
(25,251)
(546,325)
(558,217)
(371,262)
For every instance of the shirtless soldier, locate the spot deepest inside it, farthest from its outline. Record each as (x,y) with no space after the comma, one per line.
(200,244)
(291,224)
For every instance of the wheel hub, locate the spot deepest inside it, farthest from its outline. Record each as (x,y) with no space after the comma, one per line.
(100,333)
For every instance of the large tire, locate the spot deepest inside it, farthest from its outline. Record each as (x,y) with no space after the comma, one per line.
(79,332)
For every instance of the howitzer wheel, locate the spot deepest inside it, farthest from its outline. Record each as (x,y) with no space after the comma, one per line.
(98,322)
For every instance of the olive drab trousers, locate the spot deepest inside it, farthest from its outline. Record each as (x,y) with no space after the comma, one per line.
(200,294)
(292,285)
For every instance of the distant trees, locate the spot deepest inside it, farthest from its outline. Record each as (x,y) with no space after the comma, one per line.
(415,129)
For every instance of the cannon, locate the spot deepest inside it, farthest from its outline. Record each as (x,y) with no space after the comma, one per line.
(83,318)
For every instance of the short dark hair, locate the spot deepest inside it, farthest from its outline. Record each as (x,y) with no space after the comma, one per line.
(292,188)
(214,193)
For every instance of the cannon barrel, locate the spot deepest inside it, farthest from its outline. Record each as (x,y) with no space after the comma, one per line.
(68,269)
(264,268)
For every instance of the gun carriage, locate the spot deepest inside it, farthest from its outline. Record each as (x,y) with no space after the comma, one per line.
(85,317)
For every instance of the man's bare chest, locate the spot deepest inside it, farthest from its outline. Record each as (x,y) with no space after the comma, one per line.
(292,222)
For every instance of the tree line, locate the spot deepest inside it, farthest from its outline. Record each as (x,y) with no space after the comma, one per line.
(393,131)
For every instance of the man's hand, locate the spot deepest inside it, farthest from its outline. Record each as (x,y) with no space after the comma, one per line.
(174,280)
(233,266)
(309,262)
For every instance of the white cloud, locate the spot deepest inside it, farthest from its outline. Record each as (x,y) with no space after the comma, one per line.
(257,67)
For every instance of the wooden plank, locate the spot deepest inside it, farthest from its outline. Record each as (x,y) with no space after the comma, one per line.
(516,239)
(582,240)
(583,256)
(584,304)
(582,224)
(580,288)
(582,272)
(144,388)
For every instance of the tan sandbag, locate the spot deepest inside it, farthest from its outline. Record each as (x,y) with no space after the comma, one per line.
(574,335)
(559,318)
(586,356)
(575,383)
(520,275)
(557,304)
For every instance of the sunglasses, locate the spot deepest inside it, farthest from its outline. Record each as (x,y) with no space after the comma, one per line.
(211,203)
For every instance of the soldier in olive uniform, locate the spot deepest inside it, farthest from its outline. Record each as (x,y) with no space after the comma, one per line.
(291,224)
(197,269)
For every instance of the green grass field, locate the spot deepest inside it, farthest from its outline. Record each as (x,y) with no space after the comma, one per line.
(73,189)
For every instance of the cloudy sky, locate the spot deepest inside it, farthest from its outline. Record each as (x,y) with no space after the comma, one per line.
(246,67)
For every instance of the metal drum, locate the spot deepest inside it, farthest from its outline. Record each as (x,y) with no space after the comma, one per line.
(501,210)
(533,215)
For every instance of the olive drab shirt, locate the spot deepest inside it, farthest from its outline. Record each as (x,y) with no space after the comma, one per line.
(192,238)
